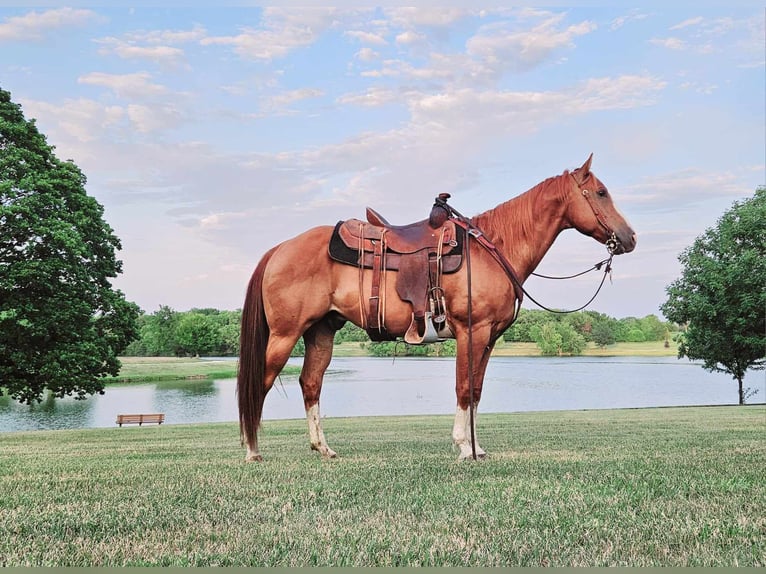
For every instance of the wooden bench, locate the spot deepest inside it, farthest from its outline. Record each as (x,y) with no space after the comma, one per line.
(158,418)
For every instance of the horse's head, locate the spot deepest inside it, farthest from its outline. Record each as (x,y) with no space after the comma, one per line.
(591,211)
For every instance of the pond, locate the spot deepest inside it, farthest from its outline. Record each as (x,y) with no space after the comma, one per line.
(365,386)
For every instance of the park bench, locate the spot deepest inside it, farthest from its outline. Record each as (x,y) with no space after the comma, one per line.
(158,418)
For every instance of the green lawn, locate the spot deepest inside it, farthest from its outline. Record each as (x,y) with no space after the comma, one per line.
(662,487)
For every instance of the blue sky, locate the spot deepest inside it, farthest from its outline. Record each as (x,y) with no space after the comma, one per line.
(211,134)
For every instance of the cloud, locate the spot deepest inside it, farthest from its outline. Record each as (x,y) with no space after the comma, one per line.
(366,37)
(79,120)
(670,43)
(707,35)
(632,16)
(366,55)
(500,45)
(279,104)
(682,190)
(159,54)
(137,86)
(429,17)
(158,46)
(284,30)
(35,25)
(688,22)
(154,118)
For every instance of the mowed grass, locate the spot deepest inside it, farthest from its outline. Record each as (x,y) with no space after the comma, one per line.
(663,487)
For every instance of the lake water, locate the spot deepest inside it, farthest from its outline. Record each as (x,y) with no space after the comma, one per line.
(407,386)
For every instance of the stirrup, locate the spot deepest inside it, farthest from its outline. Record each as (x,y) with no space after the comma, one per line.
(429,335)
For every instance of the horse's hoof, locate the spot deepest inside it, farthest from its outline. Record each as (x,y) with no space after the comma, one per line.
(254,458)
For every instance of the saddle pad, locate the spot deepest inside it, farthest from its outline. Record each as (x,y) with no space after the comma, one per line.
(342,253)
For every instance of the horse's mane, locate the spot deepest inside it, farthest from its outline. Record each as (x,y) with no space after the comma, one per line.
(517,216)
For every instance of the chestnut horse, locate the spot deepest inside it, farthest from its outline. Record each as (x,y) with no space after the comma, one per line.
(297,290)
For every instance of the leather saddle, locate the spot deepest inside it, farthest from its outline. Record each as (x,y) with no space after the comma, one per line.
(419,253)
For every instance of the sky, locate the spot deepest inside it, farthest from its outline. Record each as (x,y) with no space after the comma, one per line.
(210,134)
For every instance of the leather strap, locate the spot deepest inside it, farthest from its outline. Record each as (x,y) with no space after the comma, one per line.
(374,322)
(499,257)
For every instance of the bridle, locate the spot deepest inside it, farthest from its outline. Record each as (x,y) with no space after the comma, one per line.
(612,243)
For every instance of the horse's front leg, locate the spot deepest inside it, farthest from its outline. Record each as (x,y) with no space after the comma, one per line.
(461,430)
(319,343)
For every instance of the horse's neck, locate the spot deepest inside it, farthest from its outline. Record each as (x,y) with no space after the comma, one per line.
(524,228)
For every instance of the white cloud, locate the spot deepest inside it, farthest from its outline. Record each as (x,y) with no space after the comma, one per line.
(284,30)
(81,120)
(372,97)
(503,46)
(366,55)
(683,189)
(154,118)
(688,22)
(367,37)
(137,86)
(157,54)
(172,37)
(410,38)
(35,25)
(671,43)
(430,17)
(632,16)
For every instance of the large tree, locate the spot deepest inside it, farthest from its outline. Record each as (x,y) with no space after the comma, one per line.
(721,293)
(61,322)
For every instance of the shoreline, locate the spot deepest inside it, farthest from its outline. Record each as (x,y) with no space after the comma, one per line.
(156,369)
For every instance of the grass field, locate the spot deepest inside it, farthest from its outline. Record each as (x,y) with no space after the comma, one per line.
(662,487)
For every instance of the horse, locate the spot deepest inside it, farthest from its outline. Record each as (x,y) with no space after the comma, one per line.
(297,290)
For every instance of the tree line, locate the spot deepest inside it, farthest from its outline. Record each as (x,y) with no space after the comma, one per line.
(212,332)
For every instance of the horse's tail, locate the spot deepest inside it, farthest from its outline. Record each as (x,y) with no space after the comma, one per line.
(254,336)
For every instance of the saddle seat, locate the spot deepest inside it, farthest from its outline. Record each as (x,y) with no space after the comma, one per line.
(398,238)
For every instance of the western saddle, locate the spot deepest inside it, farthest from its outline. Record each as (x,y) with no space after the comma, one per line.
(419,253)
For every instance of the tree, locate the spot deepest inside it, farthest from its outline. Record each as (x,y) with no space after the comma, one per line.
(558,338)
(603,334)
(61,322)
(158,332)
(721,293)
(196,334)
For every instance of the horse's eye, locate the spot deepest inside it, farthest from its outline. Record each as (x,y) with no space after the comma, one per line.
(602,192)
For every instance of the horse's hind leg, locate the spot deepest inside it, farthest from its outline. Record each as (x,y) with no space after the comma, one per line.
(277,353)
(319,342)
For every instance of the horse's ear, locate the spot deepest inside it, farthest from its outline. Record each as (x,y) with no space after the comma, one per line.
(584,171)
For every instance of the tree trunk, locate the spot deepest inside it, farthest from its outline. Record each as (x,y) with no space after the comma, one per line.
(741,391)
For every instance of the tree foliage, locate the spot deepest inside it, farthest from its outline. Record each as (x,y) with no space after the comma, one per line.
(167,332)
(592,326)
(61,322)
(721,293)
(558,338)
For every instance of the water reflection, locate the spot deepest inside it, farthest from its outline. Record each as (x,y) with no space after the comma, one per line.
(370,386)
